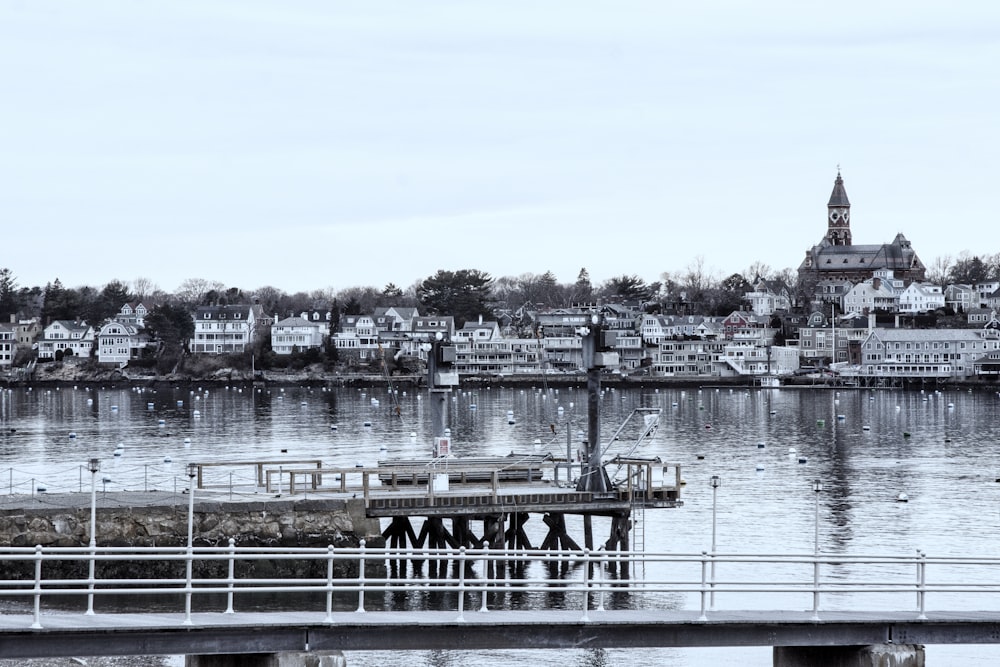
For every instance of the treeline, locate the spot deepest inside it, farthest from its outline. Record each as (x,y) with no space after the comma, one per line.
(466,294)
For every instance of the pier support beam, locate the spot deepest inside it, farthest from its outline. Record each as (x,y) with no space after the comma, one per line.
(876,655)
(284,659)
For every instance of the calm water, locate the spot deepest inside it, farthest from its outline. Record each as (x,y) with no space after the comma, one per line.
(941,449)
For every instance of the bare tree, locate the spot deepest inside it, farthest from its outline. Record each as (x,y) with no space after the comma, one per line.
(143,288)
(939,269)
(193,290)
(757,270)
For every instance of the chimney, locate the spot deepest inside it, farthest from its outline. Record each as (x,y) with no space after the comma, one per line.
(480,320)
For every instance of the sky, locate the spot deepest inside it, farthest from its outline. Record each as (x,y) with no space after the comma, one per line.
(330,144)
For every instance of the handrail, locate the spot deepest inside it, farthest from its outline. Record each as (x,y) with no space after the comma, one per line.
(961,583)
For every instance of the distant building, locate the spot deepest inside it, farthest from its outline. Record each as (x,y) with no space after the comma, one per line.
(226,329)
(297,334)
(7,347)
(836,257)
(68,337)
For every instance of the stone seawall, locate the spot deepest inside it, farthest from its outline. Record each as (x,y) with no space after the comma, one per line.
(157,519)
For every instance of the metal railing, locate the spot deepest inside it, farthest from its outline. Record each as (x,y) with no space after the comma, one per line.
(363,579)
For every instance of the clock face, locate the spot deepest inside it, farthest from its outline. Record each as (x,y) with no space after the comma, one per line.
(838,214)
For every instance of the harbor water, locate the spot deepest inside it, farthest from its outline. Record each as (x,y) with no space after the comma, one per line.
(869,449)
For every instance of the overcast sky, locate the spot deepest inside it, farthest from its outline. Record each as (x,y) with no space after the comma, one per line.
(309,145)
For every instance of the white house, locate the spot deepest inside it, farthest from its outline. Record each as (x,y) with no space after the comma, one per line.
(921,298)
(7,347)
(117,343)
(983,291)
(225,329)
(134,313)
(69,337)
(297,334)
(870,296)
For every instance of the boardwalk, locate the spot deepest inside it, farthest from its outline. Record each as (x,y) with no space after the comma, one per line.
(498,599)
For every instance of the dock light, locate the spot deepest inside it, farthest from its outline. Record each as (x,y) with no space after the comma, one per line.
(192,472)
(817,487)
(715,482)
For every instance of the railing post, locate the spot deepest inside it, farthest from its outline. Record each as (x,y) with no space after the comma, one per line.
(461,584)
(602,560)
(586,584)
(37,621)
(486,573)
(232,576)
(187,585)
(815,609)
(704,585)
(361,579)
(921,584)
(329,584)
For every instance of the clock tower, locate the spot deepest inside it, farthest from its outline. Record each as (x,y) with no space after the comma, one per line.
(838,215)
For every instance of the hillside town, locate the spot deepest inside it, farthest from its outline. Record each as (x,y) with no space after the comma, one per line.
(857,314)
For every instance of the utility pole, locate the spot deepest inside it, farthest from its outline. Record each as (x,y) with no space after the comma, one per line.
(596,343)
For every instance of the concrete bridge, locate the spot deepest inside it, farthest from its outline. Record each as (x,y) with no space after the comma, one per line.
(219,602)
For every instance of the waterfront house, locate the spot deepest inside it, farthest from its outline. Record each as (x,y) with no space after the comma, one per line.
(26,331)
(396,319)
(8,347)
(296,334)
(231,329)
(689,358)
(134,313)
(66,338)
(118,343)
(358,336)
(938,354)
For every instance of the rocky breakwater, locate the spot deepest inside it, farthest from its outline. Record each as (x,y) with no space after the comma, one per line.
(130,519)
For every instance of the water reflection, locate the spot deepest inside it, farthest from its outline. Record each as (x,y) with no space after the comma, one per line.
(941,448)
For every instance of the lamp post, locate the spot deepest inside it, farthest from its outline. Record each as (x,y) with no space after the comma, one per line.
(192,472)
(715,482)
(93,465)
(817,487)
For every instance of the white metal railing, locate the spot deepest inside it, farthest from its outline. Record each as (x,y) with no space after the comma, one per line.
(354,578)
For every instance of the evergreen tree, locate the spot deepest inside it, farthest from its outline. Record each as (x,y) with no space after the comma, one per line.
(463,294)
(9,300)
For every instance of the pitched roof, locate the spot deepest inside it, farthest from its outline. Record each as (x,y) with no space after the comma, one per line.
(839,195)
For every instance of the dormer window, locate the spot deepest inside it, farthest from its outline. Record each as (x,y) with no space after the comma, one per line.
(208,316)
(237,316)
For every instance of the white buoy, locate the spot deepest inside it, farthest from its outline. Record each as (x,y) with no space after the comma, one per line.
(166,459)
(866,428)
(187,441)
(791,450)
(902,498)
(333,427)
(72,435)
(759,467)
(367,423)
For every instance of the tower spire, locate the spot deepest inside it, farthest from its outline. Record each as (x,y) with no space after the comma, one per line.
(838,214)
